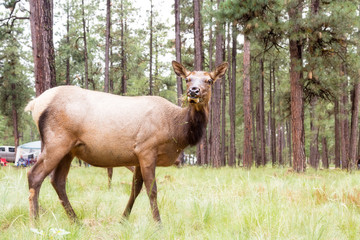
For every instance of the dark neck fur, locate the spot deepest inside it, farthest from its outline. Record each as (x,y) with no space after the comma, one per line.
(196,124)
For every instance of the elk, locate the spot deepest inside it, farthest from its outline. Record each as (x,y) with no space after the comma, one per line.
(107,130)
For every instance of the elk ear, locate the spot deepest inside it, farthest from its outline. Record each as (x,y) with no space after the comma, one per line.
(219,72)
(180,70)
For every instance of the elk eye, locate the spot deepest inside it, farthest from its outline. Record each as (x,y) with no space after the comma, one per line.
(187,80)
(209,81)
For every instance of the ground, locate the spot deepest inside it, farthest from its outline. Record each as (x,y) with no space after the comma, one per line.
(194,203)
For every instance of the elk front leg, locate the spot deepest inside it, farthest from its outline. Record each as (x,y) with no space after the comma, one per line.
(148,174)
(135,190)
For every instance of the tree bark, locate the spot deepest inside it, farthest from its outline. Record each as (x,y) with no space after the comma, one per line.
(85,47)
(223,106)
(209,158)
(106,82)
(354,127)
(67,74)
(262,115)
(232,98)
(344,128)
(314,144)
(215,135)
(288,130)
(247,151)
(198,45)
(199,62)
(337,135)
(178,50)
(41,22)
(325,159)
(107,45)
(15,118)
(179,84)
(123,57)
(151,50)
(280,144)
(273,119)
(297,104)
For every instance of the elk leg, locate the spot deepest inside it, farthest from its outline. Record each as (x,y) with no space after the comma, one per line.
(58,180)
(45,164)
(110,174)
(36,176)
(135,190)
(148,173)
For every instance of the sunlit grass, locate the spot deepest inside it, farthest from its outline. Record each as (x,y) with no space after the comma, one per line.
(194,202)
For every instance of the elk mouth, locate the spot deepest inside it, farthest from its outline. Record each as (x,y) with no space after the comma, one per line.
(193,100)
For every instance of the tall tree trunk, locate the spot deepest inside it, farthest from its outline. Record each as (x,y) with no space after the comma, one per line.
(257,139)
(255,153)
(198,59)
(273,119)
(15,119)
(354,127)
(178,50)
(344,127)
(215,135)
(41,22)
(262,115)
(209,158)
(123,57)
(111,77)
(179,84)
(232,98)
(151,50)
(223,105)
(314,144)
(288,130)
(85,47)
(198,45)
(280,144)
(106,82)
(247,151)
(297,104)
(337,134)
(107,45)
(325,159)
(67,74)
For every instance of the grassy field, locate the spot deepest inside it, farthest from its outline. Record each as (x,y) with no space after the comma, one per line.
(194,202)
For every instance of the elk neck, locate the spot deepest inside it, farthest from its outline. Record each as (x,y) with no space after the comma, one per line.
(192,122)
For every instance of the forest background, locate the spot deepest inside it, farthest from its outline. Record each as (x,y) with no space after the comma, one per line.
(290,97)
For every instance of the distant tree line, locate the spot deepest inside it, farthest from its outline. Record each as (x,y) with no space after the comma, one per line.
(290,97)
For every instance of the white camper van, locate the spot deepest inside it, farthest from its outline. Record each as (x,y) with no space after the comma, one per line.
(7,152)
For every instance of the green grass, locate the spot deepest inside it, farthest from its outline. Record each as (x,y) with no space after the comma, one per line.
(194,202)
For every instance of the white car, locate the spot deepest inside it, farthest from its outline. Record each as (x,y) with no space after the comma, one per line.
(7,152)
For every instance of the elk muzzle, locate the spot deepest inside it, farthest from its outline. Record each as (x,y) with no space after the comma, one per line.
(194,95)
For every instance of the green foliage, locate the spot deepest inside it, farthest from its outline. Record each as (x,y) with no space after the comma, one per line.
(15,87)
(225,203)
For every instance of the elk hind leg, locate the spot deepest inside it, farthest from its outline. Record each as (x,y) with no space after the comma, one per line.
(58,181)
(48,160)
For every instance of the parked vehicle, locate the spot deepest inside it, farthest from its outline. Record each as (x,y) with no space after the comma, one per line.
(7,152)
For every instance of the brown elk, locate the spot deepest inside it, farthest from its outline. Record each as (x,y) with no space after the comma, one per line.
(106,130)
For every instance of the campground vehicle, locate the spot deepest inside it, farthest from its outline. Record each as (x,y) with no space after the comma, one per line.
(7,152)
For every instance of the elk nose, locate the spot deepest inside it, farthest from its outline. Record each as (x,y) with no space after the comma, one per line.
(194,91)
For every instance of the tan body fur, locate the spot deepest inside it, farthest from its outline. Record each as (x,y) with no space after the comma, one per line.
(107,130)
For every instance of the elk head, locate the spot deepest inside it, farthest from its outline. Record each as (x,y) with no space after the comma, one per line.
(198,83)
